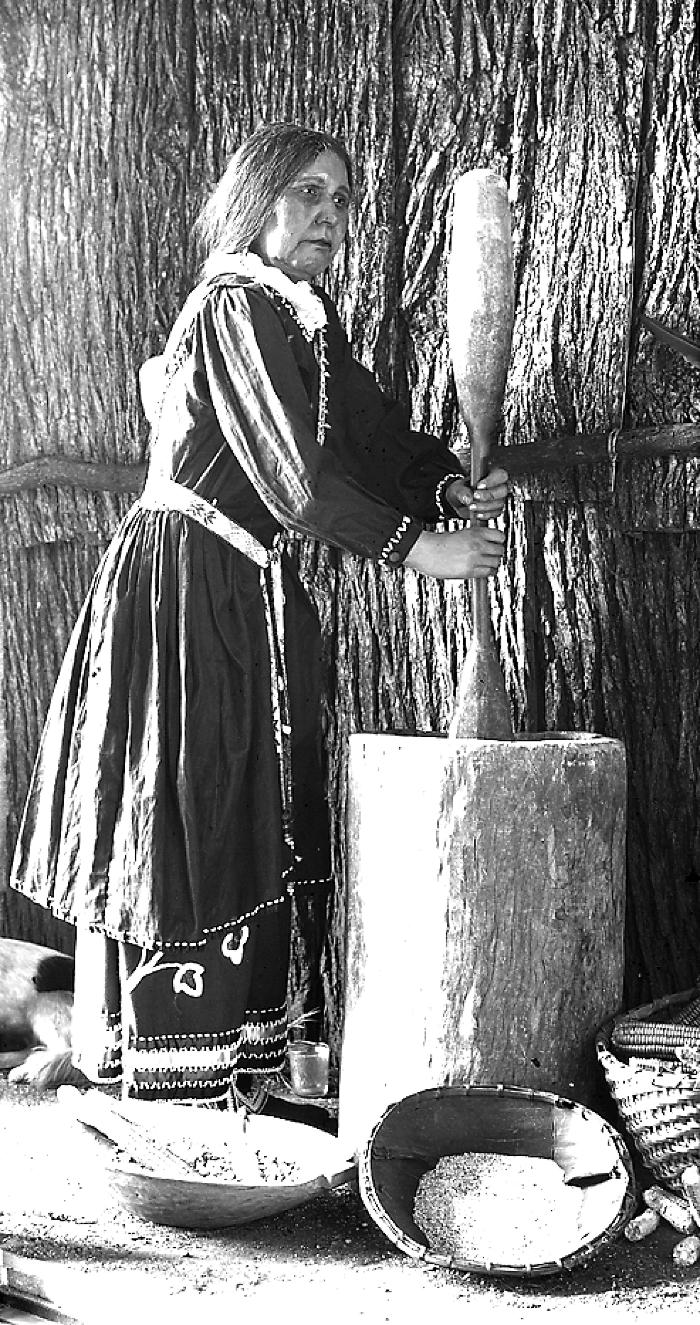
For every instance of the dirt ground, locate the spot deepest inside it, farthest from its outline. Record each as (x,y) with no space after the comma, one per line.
(325,1260)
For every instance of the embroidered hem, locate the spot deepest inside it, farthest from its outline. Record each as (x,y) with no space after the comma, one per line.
(174,1066)
(183,1026)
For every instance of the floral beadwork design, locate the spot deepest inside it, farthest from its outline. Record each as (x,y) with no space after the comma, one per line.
(234,950)
(203,511)
(188,978)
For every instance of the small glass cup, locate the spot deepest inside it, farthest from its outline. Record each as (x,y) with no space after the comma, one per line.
(308,1067)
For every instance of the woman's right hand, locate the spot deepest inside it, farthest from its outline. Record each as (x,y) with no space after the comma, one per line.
(468,554)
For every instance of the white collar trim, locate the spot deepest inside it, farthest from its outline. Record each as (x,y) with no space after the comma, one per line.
(307,307)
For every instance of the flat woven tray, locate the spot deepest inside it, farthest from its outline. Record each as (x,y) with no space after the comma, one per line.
(659,1104)
(416,1132)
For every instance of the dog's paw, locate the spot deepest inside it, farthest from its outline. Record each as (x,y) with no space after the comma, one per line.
(47,1071)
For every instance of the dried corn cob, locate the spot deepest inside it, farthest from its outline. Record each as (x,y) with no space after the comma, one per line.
(672,1208)
(653,1039)
(690,1181)
(687,1251)
(642,1225)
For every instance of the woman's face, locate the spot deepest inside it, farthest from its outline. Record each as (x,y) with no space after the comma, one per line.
(309,221)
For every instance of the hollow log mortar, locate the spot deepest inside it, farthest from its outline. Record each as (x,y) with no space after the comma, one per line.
(486,897)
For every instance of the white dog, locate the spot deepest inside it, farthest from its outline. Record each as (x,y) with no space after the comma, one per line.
(36,1008)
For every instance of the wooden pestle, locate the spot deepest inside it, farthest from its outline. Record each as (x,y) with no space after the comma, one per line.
(480,323)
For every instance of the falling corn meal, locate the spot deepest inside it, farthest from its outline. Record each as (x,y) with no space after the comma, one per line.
(488,1208)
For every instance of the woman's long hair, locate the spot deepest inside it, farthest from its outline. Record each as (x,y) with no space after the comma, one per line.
(256,176)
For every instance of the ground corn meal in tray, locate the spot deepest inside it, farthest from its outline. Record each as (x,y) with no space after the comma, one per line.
(229,1165)
(501,1208)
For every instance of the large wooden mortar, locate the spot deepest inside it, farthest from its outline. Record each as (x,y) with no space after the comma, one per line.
(486,897)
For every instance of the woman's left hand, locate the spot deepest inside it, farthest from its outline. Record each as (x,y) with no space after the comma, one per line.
(486,500)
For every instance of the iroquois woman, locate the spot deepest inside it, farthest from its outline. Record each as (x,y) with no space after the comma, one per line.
(177,803)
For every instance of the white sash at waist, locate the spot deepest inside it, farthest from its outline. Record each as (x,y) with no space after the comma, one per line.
(164,494)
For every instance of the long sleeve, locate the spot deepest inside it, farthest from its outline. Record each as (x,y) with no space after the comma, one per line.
(407,468)
(265,415)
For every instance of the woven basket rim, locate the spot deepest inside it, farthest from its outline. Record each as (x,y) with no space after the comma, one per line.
(646,1010)
(419,1251)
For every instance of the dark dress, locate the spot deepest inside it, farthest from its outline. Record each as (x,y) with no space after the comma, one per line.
(153,821)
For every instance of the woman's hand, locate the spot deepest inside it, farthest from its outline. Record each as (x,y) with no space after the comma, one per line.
(468,554)
(486,500)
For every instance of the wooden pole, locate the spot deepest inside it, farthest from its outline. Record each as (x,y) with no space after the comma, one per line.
(480,325)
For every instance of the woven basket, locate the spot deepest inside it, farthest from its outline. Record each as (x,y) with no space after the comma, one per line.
(660,1109)
(417,1131)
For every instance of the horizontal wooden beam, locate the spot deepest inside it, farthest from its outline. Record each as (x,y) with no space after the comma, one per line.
(553,454)
(681,440)
(67,471)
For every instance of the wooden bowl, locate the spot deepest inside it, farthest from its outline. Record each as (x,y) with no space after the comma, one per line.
(210,1203)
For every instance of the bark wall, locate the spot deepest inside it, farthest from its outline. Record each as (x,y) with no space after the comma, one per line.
(116,117)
